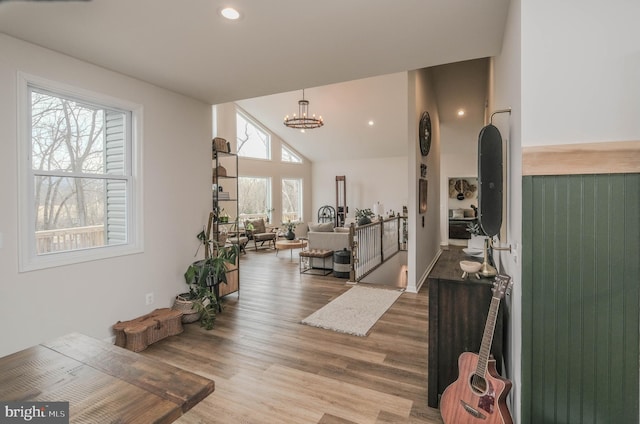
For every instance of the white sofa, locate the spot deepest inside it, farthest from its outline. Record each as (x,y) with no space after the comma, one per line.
(326,239)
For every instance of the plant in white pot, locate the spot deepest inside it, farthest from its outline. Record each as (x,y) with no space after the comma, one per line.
(202,277)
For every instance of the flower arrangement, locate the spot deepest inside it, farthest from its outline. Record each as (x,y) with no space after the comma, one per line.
(361,213)
(363,216)
(290,225)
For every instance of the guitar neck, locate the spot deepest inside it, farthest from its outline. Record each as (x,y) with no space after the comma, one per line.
(487,337)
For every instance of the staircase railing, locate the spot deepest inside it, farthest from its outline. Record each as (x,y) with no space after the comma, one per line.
(373,244)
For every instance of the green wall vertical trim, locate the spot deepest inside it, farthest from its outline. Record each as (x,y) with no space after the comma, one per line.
(580,298)
(527,313)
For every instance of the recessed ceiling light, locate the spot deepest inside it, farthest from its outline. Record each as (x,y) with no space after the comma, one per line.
(371,123)
(461,112)
(230,13)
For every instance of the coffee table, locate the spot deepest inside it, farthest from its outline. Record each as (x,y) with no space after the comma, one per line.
(290,244)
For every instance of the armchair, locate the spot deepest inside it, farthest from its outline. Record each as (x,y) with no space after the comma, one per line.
(256,230)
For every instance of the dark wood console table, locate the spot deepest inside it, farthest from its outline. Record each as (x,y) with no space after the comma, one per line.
(457,315)
(101,382)
(459,228)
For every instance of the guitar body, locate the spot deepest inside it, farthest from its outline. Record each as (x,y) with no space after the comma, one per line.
(462,404)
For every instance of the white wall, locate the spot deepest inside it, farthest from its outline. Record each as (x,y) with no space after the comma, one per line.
(367,181)
(90,297)
(424,229)
(580,67)
(505,86)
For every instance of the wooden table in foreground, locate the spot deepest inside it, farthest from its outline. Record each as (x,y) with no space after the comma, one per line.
(101,382)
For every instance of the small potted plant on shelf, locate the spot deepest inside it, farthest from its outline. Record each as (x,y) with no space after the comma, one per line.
(202,277)
(290,226)
(363,216)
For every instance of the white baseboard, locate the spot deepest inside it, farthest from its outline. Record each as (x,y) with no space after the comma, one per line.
(426,273)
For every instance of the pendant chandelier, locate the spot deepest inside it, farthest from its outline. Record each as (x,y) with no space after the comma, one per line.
(302,120)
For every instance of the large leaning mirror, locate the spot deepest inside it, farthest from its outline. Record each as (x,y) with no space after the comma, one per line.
(462,208)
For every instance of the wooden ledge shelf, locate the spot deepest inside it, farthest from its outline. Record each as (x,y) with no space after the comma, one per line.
(583,158)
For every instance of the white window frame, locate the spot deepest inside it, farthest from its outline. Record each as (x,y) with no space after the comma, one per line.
(300,195)
(291,153)
(28,259)
(268,196)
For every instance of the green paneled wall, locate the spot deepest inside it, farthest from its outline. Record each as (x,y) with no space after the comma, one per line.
(580,299)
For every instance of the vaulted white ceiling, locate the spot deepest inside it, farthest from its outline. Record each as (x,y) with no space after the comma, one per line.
(348,107)
(277,46)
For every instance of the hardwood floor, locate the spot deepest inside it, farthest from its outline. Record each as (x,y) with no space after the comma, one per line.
(269,368)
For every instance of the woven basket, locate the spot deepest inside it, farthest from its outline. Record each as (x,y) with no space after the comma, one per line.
(189,313)
(136,338)
(220,145)
(166,322)
(138,333)
(221,171)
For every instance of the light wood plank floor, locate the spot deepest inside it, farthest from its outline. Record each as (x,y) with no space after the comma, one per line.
(269,368)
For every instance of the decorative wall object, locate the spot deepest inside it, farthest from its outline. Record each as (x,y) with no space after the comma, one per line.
(422,195)
(463,188)
(423,170)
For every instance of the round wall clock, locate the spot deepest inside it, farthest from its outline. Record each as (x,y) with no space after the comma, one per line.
(424,133)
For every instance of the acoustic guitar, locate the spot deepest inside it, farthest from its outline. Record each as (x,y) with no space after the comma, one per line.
(479,394)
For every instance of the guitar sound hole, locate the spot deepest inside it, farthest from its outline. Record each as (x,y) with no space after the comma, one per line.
(478,384)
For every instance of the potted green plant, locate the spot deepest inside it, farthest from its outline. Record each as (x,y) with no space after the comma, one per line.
(203,277)
(364,216)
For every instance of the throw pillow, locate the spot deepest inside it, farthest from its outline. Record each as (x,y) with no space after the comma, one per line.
(323,227)
(458,213)
(341,229)
(258,226)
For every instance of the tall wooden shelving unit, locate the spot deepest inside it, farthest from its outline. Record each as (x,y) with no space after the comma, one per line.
(224,216)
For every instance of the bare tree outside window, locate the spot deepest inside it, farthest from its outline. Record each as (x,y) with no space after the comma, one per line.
(254,196)
(291,199)
(253,142)
(289,156)
(77,162)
